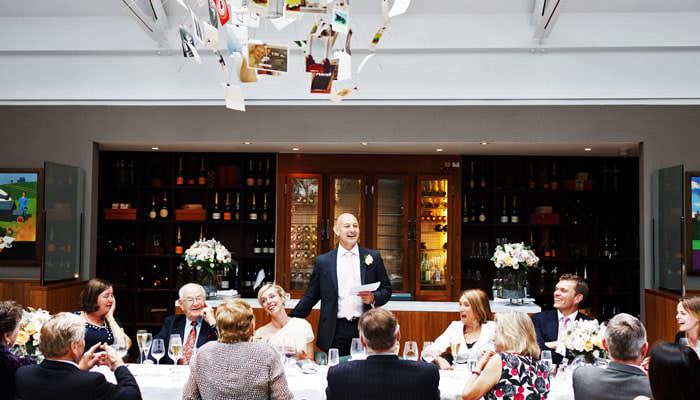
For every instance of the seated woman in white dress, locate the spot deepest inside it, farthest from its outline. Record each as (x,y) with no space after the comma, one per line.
(283,328)
(474,331)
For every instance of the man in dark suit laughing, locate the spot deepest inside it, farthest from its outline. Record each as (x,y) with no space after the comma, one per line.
(334,275)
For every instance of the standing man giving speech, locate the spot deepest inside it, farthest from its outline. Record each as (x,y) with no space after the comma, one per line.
(335,274)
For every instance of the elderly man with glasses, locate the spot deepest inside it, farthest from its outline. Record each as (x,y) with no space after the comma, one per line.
(195,327)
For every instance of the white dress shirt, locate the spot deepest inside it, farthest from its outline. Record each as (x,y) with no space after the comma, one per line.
(348,268)
(564,322)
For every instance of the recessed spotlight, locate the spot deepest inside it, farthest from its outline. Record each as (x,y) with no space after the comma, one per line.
(295,149)
(439,150)
(484,143)
(155,148)
(587,149)
(364,143)
(247,143)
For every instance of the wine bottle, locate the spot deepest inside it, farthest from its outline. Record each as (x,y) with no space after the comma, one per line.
(237,208)
(260,180)
(472,183)
(482,212)
(164,208)
(546,250)
(472,212)
(465,211)
(514,218)
(268,179)
(253,215)
(616,178)
(257,246)
(155,278)
(153,214)
(264,208)
(555,183)
(178,242)
(613,247)
(227,207)
(504,212)
(180,177)
(201,233)
(545,180)
(216,214)
(225,279)
(202,178)
(482,180)
(424,268)
(531,178)
(271,245)
(250,179)
(606,245)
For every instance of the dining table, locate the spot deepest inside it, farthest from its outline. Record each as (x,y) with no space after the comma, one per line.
(166,382)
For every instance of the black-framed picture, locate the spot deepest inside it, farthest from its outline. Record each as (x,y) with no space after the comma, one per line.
(693,223)
(21,196)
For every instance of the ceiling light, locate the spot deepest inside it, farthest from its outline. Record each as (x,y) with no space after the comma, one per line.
(155,148)
(247,143)
(438,150)
(295,149)
(484,143)
(364,143)
(587,149)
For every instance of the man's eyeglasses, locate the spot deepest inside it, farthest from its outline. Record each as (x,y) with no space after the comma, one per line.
(192,300)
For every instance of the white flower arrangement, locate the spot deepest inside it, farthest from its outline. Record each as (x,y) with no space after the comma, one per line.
(514,255)
(29,336)
(368,260)
(208,255)
(585,338)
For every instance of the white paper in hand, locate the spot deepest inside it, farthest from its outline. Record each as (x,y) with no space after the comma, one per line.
(370,287)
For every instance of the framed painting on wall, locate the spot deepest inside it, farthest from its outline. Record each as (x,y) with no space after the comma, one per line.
(20,216)
(693,223)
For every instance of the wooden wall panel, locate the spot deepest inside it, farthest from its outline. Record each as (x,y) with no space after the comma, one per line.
(17,290)
(54,298)
(660,314)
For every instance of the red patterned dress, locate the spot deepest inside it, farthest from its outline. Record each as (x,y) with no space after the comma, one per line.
(522,378)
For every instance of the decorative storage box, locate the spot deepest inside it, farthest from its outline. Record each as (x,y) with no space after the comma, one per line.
(544,219)
(190,215)
(128,214)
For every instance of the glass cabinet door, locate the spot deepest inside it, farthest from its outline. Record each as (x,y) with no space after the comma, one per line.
(347,196)
(391,227)
(304,240)
(434,269)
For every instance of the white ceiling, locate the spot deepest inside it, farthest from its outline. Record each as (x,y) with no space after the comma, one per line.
(111,8)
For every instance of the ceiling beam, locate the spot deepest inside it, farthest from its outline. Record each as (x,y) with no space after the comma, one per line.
(550,11)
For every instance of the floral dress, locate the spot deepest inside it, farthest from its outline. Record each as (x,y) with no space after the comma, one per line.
(522,378)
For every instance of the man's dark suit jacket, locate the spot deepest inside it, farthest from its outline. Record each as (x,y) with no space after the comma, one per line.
(323,286)
(383,377)
(175,325)
(55,380)
(617,381)
(547,330)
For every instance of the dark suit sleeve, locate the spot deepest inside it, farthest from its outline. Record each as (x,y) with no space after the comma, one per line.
(125,389)
(312,294)
(538,321)
(383,293)
(433,380)
(331,378)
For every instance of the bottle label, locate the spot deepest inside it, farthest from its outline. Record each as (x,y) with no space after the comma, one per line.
(256,250)
(163,213)
(504,219)
(215,215)
(178,249)
(179,180)
(482,218)
(514,219)
(227,216)
(224,285)
(152,214)
(253,216)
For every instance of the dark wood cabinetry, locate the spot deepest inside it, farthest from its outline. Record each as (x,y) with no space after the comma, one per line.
(580,214)
(174,199)
(404,205)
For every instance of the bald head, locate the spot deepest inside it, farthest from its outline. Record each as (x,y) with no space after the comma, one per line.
(347,229)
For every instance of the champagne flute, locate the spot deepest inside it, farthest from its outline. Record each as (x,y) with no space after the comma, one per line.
(147,340)
(357,350)
(428,352)
(333,357)
(175,348)
(158,349)
(141,341)
(454,348)
(410,351)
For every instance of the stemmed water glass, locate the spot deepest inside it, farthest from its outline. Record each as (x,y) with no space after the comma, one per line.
(410,351)
(158,349)
(175,348)
(428,353)
(289,350)
(119,346)
(333,357)
(454,348)
(546,359)
(357,350)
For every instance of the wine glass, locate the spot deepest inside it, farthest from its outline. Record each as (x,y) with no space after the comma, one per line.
(410,351)
(357,350)
(119,347)
(454,348)
(175,348)
(333,358)
(428,353)
(158,349)
(546,359)
(289,350)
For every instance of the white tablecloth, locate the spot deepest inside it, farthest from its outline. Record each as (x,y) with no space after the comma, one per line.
(166,383)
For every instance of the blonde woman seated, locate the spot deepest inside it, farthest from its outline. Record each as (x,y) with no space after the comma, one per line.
(474,331)
(282,327)
(515,370)
(234,367)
